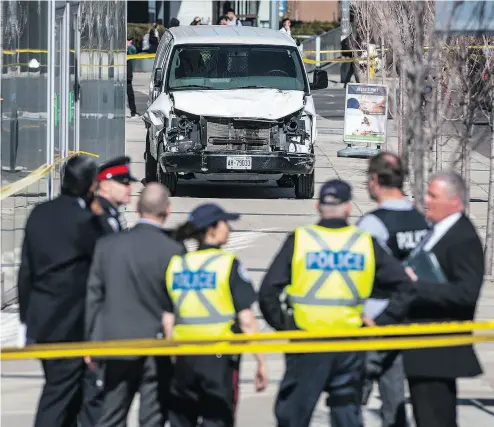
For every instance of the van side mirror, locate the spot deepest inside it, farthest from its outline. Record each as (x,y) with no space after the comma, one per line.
(320,80)
(158,77)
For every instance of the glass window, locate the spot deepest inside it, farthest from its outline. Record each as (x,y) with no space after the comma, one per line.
(235,67)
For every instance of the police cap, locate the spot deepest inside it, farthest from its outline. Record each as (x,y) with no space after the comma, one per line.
(78,174)
(117,169)
(208,214)
(335,192)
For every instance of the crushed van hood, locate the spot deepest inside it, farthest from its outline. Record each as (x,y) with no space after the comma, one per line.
(270,104)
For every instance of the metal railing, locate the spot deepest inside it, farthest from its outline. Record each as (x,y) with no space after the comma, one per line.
(316,47)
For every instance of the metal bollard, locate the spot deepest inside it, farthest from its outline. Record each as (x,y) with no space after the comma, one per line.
(14,138)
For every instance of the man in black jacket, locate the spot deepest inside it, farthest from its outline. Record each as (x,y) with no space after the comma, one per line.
(308,375)
(59,240)
(432,372)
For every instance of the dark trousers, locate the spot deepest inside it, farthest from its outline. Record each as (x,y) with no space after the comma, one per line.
(387,368)
(61,398)
(131,98)
(123,378)
(308,375)
(93,396)
(349,69)
(433,401)
(203,386)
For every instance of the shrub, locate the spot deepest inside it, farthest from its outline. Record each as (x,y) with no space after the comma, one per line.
(312,28)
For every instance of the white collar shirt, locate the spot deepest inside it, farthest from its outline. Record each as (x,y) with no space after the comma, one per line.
(441,228)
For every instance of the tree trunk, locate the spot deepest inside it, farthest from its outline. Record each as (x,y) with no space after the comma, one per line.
(489,235)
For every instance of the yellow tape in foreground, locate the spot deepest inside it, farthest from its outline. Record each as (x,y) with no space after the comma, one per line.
(252,347)
(242,343)
(142,56)
(36,175)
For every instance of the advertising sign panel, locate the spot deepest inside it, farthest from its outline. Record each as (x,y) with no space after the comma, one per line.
(366,113)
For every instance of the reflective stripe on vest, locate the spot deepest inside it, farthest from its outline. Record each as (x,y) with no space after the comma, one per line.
(332,275)
(214,315)
(199,286)
(311,299)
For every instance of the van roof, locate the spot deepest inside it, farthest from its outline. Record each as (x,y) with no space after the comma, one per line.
(226,34)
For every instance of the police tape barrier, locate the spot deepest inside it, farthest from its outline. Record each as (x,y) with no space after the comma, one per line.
(142,56)
(158,349)
(243,343)
(36,175)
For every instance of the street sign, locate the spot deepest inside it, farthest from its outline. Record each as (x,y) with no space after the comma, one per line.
(366,114)
(464,17)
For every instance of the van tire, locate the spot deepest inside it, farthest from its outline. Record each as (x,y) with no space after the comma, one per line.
(304,186)
(150,163)
(168,179)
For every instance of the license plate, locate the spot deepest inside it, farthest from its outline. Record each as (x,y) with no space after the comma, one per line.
(239,162)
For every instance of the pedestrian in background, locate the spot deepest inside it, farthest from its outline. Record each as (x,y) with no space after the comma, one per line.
(131,50)
(328,271)
(154,38)
(210,295)
(232,18)
(197,21)
(286,26)
(57,250)
(126,300)
(454,241)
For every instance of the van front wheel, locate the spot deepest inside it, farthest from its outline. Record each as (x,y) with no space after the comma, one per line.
(304,186)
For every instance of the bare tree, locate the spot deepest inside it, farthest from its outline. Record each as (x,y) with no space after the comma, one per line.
(445,82)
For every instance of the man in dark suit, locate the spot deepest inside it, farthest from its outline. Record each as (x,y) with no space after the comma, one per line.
(59,240)
(125,300)
(432,372)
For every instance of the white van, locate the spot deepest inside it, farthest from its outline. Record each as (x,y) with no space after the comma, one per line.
(231,104)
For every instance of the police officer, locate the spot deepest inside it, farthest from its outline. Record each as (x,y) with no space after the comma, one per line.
(59,240)
(328,270)
(114,190)
(210,296)
(399,227)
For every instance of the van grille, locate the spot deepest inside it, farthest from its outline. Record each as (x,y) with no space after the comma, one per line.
(227,134)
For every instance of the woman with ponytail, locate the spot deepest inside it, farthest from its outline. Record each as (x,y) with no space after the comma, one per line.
(212,296)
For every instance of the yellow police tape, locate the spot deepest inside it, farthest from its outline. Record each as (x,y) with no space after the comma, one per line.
(298,341)
(36,175)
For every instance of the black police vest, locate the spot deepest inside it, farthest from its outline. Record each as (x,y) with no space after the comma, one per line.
(406,230)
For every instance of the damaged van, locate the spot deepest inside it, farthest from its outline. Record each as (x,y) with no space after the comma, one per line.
(231,104)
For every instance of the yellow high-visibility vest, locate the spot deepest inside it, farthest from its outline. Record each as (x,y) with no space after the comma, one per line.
(199,286)
(332,275)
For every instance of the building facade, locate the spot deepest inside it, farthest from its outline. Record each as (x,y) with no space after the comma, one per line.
(160,11)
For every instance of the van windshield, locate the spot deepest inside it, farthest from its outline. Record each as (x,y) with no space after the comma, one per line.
(223,67)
